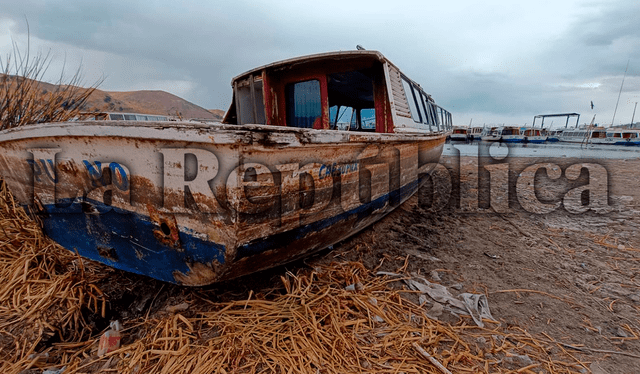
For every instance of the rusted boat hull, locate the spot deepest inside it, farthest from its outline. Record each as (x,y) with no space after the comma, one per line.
(194,204)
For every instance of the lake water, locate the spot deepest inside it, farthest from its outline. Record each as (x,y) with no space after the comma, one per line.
(551,150)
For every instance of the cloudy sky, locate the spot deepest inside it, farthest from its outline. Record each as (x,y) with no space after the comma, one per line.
(494,61)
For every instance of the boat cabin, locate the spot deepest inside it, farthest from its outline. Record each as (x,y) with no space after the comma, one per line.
(535,132)
(460,131)
(342,91)
(623,134)
(510,130)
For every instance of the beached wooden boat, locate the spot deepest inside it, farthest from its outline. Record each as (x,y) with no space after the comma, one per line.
(312,150)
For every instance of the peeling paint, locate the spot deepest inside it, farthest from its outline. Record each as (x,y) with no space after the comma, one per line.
(195,203)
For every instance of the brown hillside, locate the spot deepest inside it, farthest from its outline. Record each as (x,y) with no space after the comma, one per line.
(145,102)
(218,114)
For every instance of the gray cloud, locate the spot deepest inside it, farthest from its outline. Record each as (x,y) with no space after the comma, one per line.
(472,68)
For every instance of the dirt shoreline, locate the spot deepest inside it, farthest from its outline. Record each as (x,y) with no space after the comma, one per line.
(569,277)
(568,281)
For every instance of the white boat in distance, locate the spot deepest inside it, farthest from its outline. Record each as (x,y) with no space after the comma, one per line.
(554,135)
(475,133)
(601,135)
(535,135)
(511,134)
(195,203)
(490,134)
(460,133)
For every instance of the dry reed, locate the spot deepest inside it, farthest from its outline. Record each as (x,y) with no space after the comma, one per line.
(44,289)
(313,323)
(24,100)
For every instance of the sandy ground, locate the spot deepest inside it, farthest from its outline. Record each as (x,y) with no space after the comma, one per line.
(570,277)
(560,276)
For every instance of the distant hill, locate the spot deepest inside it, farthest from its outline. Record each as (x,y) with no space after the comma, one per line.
(144,102)
(218,114)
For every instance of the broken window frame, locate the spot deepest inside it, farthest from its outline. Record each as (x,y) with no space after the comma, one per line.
(250,105)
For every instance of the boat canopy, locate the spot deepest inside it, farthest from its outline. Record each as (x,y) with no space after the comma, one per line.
(567,115)
(354,90)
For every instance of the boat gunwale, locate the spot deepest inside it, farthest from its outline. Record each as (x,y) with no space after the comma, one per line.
(133,129)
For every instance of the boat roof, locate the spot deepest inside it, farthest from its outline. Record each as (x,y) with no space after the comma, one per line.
(337,55)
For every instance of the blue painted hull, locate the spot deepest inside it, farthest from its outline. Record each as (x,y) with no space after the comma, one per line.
(125,240)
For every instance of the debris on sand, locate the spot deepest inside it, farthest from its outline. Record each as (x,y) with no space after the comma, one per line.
(311,323)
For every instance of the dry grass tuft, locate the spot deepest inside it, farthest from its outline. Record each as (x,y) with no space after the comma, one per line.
(44,289)
(24,100)
(313,323)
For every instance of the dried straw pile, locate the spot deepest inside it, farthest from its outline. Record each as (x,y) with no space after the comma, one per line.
(42,290)
(313,323)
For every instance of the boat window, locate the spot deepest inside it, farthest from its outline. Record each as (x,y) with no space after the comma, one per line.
(441,118)
(245,109)
(141,118)
(117,117)
(351,101)
(250,101)
(130,117)
(304,107)
(426,109)
(341,117)
(434,115)
(258,101)
(368,118)
(408,90)
(418,98)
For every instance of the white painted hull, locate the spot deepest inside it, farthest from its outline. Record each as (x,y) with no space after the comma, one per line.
(458,137)
(256,196)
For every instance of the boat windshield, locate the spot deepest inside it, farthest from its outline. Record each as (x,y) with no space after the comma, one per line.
(351,104)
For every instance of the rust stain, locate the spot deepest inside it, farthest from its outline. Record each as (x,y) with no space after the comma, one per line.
(108,253)
(166,231)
